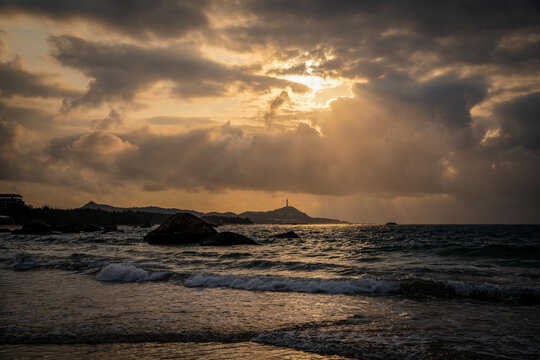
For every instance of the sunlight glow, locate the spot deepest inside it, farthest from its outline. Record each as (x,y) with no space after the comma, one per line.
(323,91)
(316,83)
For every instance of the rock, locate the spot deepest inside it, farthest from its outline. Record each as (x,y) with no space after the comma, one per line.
(68,229)
(180,228)
(110,229)
(227,238)
(287,235)
(91,228)
(34,227)
(391,223)
(145,226)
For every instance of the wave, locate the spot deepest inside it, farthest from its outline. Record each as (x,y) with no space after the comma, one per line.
(286,265)
(23,335)
(293,284)
(448,288)
(494,251)
(412,287)
(24,262)
(129,273)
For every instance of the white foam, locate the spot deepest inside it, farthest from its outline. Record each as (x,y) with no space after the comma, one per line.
(128,273)
(293,284)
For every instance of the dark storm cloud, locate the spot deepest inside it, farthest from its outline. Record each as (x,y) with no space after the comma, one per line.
(16,80)
(520,121)
(166,18)
(369,38)
(437,17)
(447,99)
(120,71)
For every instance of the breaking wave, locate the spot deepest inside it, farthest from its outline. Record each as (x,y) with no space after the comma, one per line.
(449,288)
(414,287)
(293,284)
(129,273)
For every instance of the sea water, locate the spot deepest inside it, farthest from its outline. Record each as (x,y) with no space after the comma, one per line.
(347,291)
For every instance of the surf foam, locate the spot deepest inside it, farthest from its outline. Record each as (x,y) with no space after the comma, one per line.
(293,284)
(128,273)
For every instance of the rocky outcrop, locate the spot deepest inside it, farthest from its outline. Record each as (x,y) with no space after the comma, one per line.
(287,235)
(181,228)
(227,238)
(185,228)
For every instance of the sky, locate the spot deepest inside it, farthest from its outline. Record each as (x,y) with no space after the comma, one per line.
(366,111)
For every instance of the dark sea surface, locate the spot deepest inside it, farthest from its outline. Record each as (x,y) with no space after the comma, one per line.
(346,291)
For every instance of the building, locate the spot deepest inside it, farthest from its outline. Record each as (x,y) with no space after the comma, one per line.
(10,201)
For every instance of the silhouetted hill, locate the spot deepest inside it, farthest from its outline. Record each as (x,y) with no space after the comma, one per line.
(147,209)
(225,214)
(222,220)
(95,216)
(286,215)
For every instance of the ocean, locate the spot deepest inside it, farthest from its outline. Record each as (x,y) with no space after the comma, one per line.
(337,292)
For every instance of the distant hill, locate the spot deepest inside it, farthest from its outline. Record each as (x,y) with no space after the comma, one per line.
(148,209)
(225,214)
(284,215)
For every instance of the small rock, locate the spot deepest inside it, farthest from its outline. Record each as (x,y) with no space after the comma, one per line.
(91,228)
(109,229)
(68,229)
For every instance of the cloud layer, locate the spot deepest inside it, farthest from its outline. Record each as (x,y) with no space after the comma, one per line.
(119,71)
(167,18)
(444,101)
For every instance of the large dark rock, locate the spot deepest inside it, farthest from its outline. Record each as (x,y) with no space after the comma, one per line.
(227,238)
(287,235)
(34,227)
(181,228)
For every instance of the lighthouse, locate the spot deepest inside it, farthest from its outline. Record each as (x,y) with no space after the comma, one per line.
(286,202)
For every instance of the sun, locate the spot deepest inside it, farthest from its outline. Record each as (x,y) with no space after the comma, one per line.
(323,90)
(315,83)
